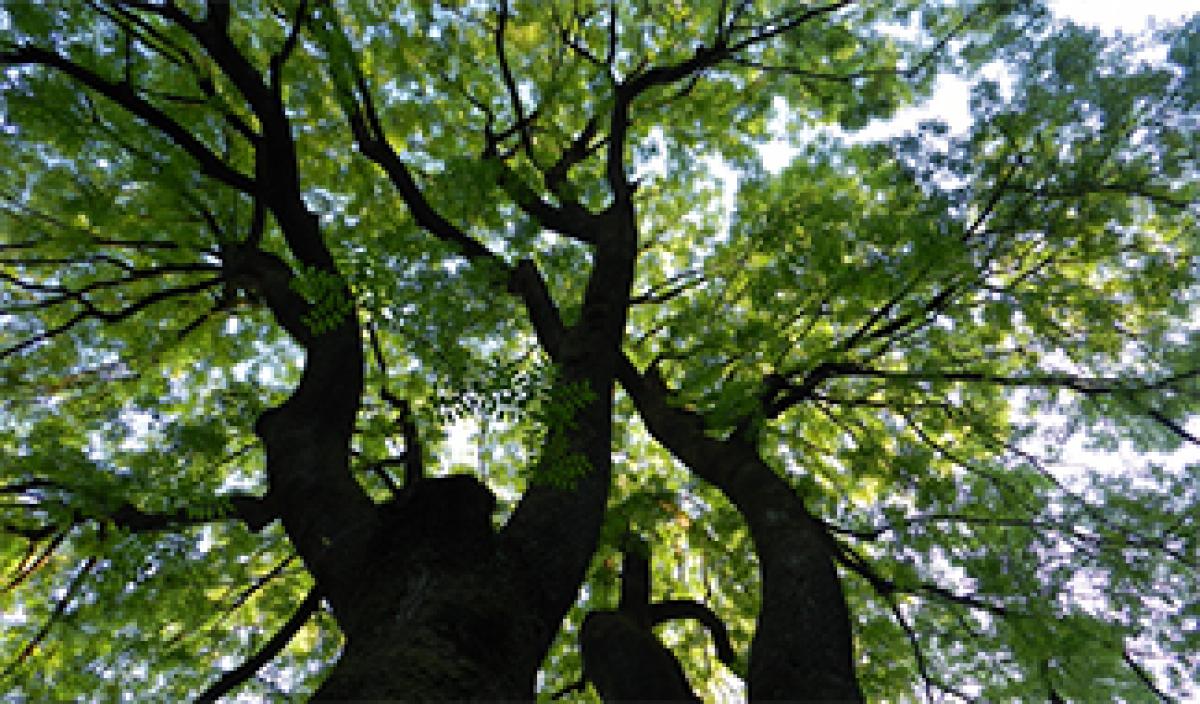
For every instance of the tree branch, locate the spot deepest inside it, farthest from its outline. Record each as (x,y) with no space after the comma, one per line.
(376,148)
(526,281)
(256,512)
(90,311)
(1144,678)
(580,148)
(60,608)
(124,95)
(414,452)
(279,58)
(703,58)
(1088,386)
(34,558)
(569,219)
(787,24)
(673,609)
(232,679)
(1176,429)
(918,653)
(510,84)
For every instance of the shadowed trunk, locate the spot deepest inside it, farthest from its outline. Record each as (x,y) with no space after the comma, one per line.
(435,603)
(436,614)
(802,647)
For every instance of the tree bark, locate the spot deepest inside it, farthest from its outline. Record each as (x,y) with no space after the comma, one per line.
(802,647)
(434,603)
(438,615)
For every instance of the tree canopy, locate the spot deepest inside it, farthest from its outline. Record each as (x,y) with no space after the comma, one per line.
(265,263)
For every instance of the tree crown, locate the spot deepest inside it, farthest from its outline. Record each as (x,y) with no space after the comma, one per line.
(408,218)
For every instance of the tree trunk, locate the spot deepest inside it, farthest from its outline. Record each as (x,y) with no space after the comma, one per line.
(438,614)
(802,648)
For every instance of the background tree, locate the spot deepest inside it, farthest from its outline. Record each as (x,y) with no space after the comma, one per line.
(258,257)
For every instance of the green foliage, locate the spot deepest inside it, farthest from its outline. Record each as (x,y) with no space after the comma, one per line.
(554,418)
(500,390)
(325,293)
(1026,290)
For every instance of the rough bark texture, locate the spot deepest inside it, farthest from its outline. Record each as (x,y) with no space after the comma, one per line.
(435,617)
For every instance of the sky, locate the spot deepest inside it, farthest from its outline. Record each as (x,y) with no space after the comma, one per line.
(1128,15)
(951,95)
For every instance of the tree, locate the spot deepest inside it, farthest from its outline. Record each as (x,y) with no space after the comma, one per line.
(259,258)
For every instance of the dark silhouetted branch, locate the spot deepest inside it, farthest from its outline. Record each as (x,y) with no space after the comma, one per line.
(1145,679)
(136,105)
(60,608)
(234,678)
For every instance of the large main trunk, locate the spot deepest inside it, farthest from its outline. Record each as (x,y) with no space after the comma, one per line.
(436,614)
(432,633)
(441,606)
